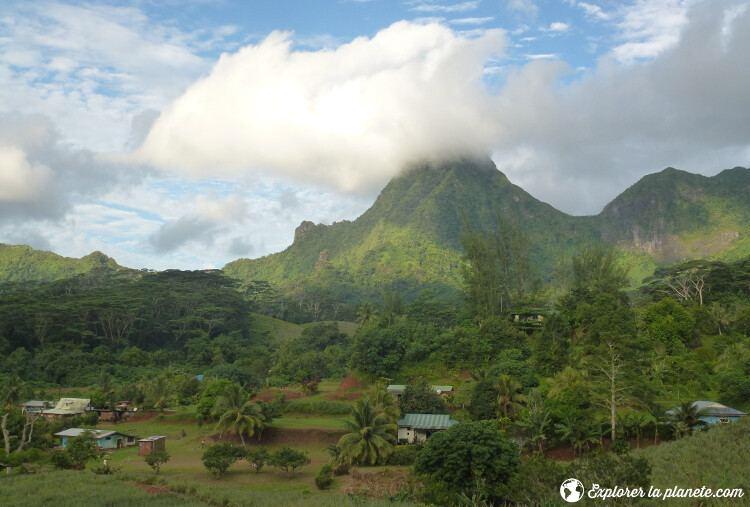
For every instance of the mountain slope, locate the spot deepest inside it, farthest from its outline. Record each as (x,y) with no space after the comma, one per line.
(19,263)
(410,238)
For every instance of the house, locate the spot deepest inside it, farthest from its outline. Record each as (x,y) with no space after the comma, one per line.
(712,412)
(36,406)
(527,319)
(105,439)
(416,428)
(68,407)
(398,389)
(152,444)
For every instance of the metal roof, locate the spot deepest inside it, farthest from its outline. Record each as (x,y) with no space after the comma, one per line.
(396,388)
(443,389)
(69,406)
(427,421)
(152,438)
(74,432)
(712,409)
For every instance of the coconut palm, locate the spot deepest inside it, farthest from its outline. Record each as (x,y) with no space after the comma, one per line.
(371,435)
(686,417)
(238,413)
(160,393)
(383,402)
(366,314)
(576,432)
(510,400)
(536,421)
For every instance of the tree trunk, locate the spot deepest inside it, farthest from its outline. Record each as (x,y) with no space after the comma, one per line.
(6,434)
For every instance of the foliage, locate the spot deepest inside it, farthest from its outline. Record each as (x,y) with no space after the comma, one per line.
(324,480)
(483,399)
(78,451)
(219,457)
(257,458)
(238,414)
(155,459)
(421,399)
(473,458)
(288,459)
(316,407)
(371,435)
(404,455)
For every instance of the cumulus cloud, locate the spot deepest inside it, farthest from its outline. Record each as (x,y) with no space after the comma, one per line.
(349,117)
(41,178)
(206,220)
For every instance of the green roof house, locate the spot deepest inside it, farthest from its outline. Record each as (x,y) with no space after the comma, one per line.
(416,428)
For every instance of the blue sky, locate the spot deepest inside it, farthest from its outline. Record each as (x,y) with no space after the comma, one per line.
(187,134)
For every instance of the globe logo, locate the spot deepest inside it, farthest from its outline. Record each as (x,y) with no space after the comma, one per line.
(571,490)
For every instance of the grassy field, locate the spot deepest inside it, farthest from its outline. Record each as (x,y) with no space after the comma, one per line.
(283,330)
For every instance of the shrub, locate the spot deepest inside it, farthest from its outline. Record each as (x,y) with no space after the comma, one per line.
(403,455)
(219,457)
(156,459)
(324,480)
(288,459)
(257,458)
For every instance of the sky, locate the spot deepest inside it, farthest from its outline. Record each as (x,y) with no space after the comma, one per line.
(186,134)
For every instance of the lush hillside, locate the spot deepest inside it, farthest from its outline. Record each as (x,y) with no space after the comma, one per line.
(409,239)
(23,263)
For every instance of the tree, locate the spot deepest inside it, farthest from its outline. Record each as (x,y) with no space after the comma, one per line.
(610,389)
(371,435)
(160,393)
(366,314)
(510,401)
(238,413)
(596,269)
(219,457)
(81,449)
(257,458)
(577,432)
(483,399)
(10,391)
(471,458)
(155,459)
(536,421)
(686,417)
(288,459)
(421,399)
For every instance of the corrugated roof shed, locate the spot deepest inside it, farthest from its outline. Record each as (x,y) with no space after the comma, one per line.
(712,408)
(442,389)
(396,388)
(427,421)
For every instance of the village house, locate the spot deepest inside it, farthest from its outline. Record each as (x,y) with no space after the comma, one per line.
(714,413)
(68,407)
(152,444)
(36,406)
(416,428)
(105,439)
(398,389)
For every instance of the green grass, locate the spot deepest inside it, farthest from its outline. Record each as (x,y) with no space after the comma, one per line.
(282,330)
(296,421)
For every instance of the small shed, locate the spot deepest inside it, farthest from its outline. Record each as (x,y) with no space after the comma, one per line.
(416,428)
(105,439)
(398,389)
(151,444)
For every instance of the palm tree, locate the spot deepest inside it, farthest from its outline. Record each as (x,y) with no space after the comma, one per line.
(536,421)
(371,435)
(238,413)
(383,402)
(577,432)
(510,401)
(686,417)
(160,393)
(366,314)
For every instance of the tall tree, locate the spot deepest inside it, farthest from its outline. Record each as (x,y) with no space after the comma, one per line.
(238,413)
(510,399)
(597,270)
(371,435)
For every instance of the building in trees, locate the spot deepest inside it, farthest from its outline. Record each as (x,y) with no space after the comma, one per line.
(416,428)
(68,407)
(711,412)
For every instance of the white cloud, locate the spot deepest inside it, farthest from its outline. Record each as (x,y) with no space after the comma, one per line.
(21,181)
(471,21)
(436,7)
(649,27)
(558,26)
(349,117)
(527,7)
(594,11)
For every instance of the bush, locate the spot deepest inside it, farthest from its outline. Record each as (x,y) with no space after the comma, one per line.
(288,459)
(257,458)
(156,459)
(219,457)
(403,455)
(324,480)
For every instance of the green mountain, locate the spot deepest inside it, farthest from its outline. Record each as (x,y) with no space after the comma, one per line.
(409,239)
(20,263)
